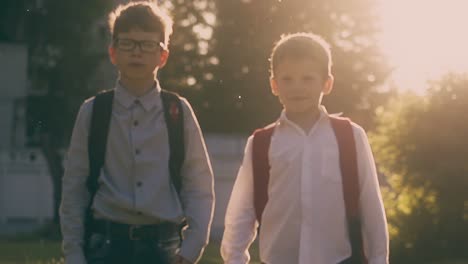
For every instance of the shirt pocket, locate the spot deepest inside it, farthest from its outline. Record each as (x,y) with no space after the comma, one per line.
(330,166)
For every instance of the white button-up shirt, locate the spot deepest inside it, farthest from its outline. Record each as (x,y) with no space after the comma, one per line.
(134,184)
(304,220)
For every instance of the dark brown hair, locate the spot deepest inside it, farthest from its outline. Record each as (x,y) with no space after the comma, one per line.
(141,15)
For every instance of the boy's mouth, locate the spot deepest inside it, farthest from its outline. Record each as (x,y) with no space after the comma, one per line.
(136,64)
(297,98)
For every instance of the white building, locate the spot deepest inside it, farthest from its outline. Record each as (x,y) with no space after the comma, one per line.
(13,82)
(25,187)
(26,200)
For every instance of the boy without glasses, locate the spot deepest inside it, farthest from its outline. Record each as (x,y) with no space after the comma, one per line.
(152,184)
(308,180)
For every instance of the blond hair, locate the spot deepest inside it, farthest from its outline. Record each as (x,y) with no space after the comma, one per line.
(302,46)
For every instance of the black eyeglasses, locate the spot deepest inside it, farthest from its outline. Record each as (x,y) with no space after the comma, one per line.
(148,46)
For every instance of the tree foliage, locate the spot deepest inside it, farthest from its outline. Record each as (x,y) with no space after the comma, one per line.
(64,53)
(191,64)
(246,30)
(420,148)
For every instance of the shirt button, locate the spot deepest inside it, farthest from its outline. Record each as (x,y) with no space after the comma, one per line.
(137,101)
(139,213)
(135,123)
(137,151)
(139,184)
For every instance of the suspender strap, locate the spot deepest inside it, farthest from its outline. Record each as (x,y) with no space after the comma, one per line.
(261,168)
(173,115)
(350,178)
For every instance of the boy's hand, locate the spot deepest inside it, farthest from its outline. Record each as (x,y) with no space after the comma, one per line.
(180,260)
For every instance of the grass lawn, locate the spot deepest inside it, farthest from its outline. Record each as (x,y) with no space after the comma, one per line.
(42,252)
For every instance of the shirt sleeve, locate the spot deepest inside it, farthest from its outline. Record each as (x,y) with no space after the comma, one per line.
(240,221)
(197,194)
(374,223)
(75,195)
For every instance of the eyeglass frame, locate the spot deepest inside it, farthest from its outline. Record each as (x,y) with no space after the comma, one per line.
(138,43)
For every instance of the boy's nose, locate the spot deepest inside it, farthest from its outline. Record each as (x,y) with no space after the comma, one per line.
(137,49)
(296,87)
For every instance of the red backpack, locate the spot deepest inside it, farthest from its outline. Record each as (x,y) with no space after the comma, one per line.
(349,171)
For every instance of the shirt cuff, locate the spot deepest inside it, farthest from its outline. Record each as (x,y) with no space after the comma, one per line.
(191,250)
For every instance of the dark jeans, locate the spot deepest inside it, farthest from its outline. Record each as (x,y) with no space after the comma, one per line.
(108,247)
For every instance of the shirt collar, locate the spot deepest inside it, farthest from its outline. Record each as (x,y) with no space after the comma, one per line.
(148,100)
(323,115)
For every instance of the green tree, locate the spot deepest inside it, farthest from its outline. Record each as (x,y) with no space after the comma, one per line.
(245,33)
(191,65)
(421,149)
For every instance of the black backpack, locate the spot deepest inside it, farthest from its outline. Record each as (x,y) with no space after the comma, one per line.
(97,141)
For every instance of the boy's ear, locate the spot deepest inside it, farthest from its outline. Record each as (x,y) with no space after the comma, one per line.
(274,86)
(164,57)
(328,85)
(112,54)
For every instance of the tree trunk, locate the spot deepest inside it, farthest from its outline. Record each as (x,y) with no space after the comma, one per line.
(54,164)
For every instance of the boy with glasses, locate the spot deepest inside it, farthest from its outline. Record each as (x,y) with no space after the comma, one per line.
(134,210)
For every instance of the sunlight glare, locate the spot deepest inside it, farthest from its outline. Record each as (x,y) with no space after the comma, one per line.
(423,39)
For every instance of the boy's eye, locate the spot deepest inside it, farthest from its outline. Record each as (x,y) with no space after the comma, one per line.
(286,78)
(149,45)
(144,45)
(308,78)
(123,43)
(126,44)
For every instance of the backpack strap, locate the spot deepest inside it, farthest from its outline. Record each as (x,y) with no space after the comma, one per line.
(97,141)
(261,167)
(174,117)
(348,164)
(351,192)
(100,120)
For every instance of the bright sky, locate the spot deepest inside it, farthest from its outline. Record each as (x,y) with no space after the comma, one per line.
(424,39)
